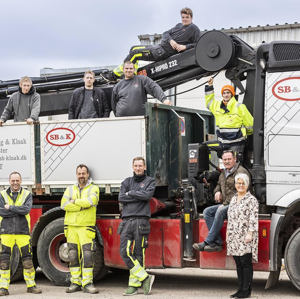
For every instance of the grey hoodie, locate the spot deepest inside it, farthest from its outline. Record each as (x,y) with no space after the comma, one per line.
(13,106)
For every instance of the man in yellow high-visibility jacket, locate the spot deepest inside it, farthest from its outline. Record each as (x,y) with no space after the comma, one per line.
(80,203)
(233,120)
(15,205)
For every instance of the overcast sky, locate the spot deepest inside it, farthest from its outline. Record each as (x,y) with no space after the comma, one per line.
(72,33)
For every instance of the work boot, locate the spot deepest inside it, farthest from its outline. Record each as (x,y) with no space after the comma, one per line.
(4,292)
(147,284)
(199,246)
(89,288)
(130,291)
(213,247)
(34,290)
(73,288)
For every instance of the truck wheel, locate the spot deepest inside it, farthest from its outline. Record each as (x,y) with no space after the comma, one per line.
(52,254)
(292,258)
(16,266)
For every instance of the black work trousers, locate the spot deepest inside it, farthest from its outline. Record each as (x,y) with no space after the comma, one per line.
(147,53)
(244,269)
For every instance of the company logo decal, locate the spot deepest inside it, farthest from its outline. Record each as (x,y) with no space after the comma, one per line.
(287,89)
(60,136)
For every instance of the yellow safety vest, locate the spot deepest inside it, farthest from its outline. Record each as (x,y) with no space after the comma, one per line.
(19,201)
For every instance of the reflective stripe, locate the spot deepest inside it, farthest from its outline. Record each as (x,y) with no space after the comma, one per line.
(87,270)
(231,141)
(90,201)
(238,105)
(66,197)
(249,128)
(140,47)
(65,204)
(128,251)
(209,92)
(209,104)
(75,275)
(213,144)
(228,130)
(71,192)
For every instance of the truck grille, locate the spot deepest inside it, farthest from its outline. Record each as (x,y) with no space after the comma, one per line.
(286,52)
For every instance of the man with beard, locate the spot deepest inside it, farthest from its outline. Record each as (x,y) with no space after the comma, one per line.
(24,104)
(80,203)
(215,215)
(88,101)
(135,195)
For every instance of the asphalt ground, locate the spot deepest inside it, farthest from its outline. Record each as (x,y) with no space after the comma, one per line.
(169,283)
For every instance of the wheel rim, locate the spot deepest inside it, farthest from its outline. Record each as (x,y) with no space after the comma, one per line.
(58,253)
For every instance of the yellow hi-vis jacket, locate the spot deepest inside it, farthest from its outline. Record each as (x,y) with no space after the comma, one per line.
(20,224)
(83,211)
(233,122)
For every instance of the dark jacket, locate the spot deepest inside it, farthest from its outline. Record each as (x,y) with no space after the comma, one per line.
(227,186)
(100,103)
(14,221)
(137,202)
(12,107)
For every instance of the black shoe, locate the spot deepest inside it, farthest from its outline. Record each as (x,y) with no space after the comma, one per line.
(200,246)
(235,294)
(244,294)
(213,247)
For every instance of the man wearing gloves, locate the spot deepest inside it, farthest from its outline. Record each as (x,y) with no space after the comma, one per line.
(15,205)
(80,203)
(135,195)
(23,104)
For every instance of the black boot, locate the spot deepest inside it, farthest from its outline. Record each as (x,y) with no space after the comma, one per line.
(247,275)
(239,271)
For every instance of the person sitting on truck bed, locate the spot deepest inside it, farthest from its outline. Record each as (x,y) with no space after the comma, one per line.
(183,36)
(15,206)
(88,101)
(130,94)
(23,104)
(233,120)
(135,194)
(215,215)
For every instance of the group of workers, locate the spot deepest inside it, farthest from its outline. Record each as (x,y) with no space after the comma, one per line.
(233,124)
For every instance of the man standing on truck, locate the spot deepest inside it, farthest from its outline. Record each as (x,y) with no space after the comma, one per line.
(130,94)
(135,195)
(15,205)
(215,215)
(182,37)
(23,104)
(80,203)
(233,120)
(88,101)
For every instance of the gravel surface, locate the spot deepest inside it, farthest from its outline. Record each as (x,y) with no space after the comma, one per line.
(169,283)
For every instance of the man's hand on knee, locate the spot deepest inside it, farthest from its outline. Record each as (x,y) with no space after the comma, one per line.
(218,196)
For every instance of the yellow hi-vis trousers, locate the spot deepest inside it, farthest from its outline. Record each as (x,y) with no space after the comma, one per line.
(81,243)
(7,244)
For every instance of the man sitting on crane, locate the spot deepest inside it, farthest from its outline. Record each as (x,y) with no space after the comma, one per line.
(183,36)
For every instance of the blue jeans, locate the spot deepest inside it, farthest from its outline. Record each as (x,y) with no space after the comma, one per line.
(214,217)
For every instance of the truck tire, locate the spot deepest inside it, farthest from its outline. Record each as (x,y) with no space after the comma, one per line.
(16,266)
(292,258)
(52,254)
